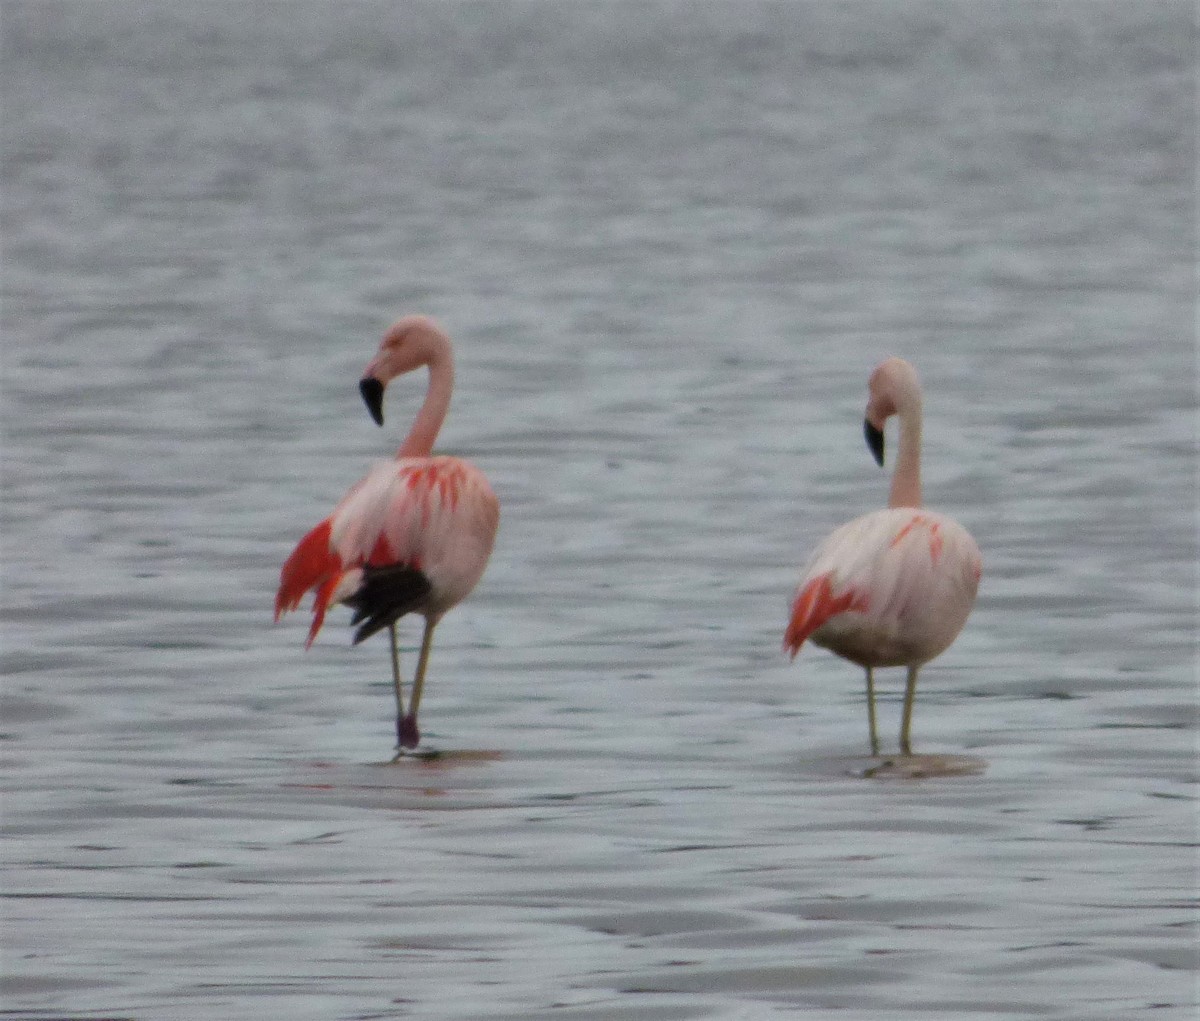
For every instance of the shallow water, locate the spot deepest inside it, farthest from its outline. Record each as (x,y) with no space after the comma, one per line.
(670,242)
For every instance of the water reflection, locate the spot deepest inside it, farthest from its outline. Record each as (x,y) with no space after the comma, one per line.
(920,767)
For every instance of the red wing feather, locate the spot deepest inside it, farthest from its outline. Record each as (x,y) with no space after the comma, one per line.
(312,565)
(813,606)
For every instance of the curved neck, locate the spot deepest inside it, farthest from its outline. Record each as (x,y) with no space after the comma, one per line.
(906,480)
(424,432)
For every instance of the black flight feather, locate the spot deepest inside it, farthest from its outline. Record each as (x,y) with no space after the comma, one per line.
(384,596)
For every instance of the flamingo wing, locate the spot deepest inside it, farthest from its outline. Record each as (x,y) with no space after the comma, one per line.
(836,580)
(413,533)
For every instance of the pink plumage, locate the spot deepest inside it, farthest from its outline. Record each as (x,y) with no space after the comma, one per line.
(414,535)
(893,587)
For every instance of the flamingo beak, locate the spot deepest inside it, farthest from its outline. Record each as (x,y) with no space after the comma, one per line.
(372,395)
(874,438)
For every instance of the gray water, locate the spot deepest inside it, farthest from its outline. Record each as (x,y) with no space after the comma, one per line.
(670,241)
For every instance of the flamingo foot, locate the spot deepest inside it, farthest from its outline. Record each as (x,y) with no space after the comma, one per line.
(407,734)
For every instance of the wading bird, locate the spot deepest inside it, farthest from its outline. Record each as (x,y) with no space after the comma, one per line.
(413,536)
(893,587)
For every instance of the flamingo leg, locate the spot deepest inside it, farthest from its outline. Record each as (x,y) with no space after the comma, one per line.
(871,711)
(409,735)
(396,683)
(910,694)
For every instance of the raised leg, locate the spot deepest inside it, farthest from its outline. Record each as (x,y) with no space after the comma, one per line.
(409,735)
(871,712)
(910,694)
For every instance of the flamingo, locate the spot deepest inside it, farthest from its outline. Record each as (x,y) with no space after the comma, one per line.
(412,536)
(893,587)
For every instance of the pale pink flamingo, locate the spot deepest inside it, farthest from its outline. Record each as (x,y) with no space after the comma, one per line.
(414,535)
(893,587)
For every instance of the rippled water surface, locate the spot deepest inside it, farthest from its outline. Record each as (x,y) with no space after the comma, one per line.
(670,241)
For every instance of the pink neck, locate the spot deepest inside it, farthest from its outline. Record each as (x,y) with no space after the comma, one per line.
(906,481)
(424,432)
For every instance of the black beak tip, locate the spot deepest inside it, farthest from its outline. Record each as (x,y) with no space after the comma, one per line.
(874,438)
(372,395)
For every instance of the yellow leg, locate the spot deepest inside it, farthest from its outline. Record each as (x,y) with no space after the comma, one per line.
(422,663)
(407,732)
(871,712)
(396,673)
(910,694)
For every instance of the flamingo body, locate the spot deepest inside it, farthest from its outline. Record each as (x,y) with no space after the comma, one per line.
(893,587)
(434,515)
(890,588)
(413,535)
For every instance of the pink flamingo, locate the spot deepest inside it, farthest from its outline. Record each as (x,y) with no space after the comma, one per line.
(414,535)
(893,587)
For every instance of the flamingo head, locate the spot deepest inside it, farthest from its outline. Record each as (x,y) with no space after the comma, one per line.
(893,384)
(411,341)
